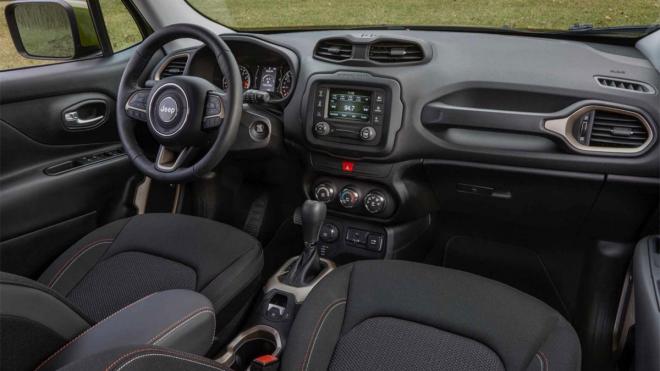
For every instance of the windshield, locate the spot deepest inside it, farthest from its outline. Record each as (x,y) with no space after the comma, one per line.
(536,15)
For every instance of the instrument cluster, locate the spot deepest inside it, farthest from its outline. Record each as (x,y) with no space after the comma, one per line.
(261,68)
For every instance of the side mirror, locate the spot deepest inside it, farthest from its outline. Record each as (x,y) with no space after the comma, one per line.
(52,29)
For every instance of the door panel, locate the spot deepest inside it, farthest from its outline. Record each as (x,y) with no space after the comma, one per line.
(59,181)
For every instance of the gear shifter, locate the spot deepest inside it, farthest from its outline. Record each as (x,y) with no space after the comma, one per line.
(308,264)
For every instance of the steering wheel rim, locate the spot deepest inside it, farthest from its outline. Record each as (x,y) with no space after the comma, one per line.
(135,103)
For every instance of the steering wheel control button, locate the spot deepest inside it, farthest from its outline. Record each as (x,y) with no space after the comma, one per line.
(213,105)
(322,128)
(324,192)
(214,112)
(349,197)
(136,107)
(329,233)
(259,131)
(136,114)
(138,100)
(367,133)
(374,202)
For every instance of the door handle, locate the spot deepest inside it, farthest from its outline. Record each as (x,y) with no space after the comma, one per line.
(85,115)
(73,119)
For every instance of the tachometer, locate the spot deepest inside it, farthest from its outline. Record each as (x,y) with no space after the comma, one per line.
(245,76)
(286,83)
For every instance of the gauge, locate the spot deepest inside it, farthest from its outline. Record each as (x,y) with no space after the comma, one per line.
(286,82)
(245,76)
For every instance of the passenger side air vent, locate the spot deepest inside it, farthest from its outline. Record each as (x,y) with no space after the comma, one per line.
(395,52)
(334,49)
(173,67)
(634,86)
(617,130)
(605,130)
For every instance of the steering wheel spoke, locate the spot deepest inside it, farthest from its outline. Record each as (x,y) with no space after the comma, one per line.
(136,106)
(169,159)
(214,110)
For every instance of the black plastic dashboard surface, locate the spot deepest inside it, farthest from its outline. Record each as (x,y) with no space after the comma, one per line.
(514,76)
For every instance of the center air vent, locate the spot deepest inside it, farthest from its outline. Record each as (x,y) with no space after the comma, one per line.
(173,67)
(617,130)
(395,52)
(334,49)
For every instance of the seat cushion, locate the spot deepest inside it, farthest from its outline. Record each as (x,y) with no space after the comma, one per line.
(131,258)
(407,316)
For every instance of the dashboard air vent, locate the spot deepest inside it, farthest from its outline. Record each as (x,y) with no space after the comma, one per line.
(395,52)
(634,86)
(334,49)
(617,130)
(174,67)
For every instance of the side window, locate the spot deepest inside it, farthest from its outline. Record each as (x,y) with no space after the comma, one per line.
(122,29)
(123,32)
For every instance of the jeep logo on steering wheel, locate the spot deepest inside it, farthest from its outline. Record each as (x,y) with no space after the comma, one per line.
(167,109)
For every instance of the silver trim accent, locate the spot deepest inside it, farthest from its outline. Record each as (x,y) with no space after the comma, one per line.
(134,108)
(564,127)
(142,195)
(166,161)
(253,333)
(299,293)
(184,120)
(650,88)
(169,60)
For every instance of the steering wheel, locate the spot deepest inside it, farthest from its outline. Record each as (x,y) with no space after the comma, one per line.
(184,114)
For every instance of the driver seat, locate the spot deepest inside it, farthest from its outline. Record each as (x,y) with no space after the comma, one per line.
(129,259)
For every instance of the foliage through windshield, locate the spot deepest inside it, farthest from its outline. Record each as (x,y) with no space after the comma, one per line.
(517,14)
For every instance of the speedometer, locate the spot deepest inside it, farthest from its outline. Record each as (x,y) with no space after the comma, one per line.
(286,83)
(245,76)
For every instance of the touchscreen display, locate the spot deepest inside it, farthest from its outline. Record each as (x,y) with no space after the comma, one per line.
(349,104)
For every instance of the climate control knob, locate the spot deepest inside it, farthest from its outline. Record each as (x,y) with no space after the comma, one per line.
(324,192)
(349,197)
(375,202)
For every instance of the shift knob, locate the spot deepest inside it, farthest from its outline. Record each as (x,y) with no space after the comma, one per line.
(313,216)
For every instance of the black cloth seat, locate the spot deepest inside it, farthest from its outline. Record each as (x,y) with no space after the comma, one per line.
(393,315)
(127,260)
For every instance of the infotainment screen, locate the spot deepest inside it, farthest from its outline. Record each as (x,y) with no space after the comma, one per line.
(349,104)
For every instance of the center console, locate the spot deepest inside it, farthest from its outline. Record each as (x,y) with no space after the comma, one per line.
(352,114)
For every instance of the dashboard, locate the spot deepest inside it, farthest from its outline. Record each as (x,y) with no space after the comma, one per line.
(385,97)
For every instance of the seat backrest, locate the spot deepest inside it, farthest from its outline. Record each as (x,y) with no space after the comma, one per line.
(35,322)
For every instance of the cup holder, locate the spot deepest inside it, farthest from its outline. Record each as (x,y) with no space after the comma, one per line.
(254,342)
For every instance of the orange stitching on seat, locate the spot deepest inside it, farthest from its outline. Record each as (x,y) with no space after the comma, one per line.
(547,362)
(325,312)
(89,329)
(75,257)
(162,351)
(179,357)
(172,327)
